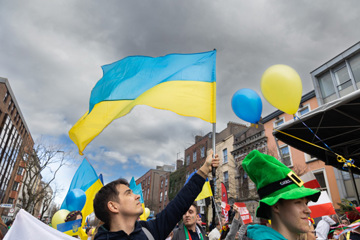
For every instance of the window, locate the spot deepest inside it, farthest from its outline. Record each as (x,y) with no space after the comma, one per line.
(20,171)
(279,122)
(285,153)
(6,96)
(187,160)
(166,182)
(15,186)
(162,183)
(226,180)
(342,77)
(309,158)
(202,152)
(343,80)
(303,110)
(147,195)
(161,195)
(187,176)
(165,196)
(149,180)
(194,156)
(11,200)
(326,85)
(226,177)
(321,179)
(355,67)
(225,155)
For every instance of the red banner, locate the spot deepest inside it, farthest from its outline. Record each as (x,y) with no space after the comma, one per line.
(224,202)
(244,213)
(224,197)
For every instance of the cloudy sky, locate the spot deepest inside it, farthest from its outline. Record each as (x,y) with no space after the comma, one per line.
(52,52)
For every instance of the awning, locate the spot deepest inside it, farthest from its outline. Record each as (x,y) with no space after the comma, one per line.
(336,123)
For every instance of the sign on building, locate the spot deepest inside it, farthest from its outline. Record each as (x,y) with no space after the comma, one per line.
(6,205)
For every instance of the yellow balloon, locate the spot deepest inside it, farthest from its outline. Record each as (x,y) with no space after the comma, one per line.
(142,216)
(281,86)
(147,212)
(59,217)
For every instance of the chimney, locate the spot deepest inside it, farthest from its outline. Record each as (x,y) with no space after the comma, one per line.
(179,164)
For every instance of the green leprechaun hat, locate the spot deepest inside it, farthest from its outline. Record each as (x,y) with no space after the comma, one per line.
(274,181)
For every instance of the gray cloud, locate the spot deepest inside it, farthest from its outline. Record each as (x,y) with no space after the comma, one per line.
(52,52)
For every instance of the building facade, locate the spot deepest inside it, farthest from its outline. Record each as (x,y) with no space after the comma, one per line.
(155,188)
(15,139)
(227,171)
(332,80)
(195,155)
(244,142)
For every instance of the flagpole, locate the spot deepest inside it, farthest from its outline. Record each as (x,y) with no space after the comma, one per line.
(217,212)
(213,171)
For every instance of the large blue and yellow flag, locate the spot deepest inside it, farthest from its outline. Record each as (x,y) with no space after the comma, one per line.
(182,83)
(86,179)
(206,190)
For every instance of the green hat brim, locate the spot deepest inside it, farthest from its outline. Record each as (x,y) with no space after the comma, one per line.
(294,193)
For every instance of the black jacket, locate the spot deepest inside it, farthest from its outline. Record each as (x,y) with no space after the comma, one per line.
(179,233)
(166,220)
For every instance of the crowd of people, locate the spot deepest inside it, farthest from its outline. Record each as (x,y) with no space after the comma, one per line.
(283,203)
(283,208)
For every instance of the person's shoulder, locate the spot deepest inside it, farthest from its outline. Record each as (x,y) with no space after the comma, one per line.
(261,232)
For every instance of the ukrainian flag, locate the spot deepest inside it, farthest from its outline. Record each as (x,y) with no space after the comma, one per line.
(182,83)
(206,190)
(87,180)
(138,190)
(72,228)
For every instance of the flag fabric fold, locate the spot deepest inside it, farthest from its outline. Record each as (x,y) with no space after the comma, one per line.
(70,228)
(322,207)
(182,83)
(206,190)
(310,180)
(28,227)
(86,179)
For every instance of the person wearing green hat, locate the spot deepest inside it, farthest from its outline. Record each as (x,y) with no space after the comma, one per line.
(283,198)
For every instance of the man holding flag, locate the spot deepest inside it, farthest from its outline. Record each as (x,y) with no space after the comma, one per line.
(119,208)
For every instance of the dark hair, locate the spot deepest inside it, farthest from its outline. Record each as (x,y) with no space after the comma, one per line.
(9,223)
(72,216)
(107,193)
(195,205)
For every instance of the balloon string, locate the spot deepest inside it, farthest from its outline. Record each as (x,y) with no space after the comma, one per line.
(339,158)
(295,116)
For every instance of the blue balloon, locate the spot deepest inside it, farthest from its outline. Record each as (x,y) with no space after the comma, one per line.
(247,105)
(75,200)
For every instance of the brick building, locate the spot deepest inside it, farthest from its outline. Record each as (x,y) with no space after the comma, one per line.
(195,155)
(15,139)
(155,187)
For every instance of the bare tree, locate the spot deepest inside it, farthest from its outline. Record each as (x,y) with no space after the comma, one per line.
(41,157)
(299,169)
(48,197)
